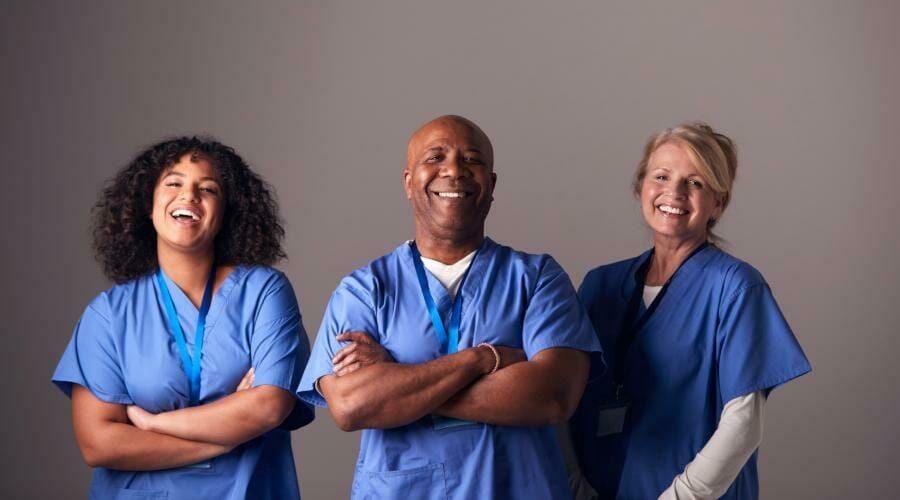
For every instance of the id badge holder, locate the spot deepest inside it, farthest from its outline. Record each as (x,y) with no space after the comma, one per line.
(205,465)
(446,423)
(611,418)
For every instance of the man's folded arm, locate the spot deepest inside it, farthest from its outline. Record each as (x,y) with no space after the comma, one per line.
(386,395)
(542,391)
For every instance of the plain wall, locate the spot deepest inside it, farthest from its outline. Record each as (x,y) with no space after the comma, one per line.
(320,98)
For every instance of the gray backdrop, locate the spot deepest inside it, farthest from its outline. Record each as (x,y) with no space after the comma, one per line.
(321,96)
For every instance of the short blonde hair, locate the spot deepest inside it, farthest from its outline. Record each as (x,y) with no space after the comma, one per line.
(714,154)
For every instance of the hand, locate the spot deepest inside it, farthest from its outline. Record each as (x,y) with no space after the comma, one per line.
(141,418)
(247,381)
(362,351)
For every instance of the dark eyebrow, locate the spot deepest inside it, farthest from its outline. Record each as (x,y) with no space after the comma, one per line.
(179,174)
(437,149)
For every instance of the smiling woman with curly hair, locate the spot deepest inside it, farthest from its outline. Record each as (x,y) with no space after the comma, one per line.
(187,231)
(124,237)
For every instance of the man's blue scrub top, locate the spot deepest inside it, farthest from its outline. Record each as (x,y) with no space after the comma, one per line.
(716,334)
(123,352)
(509,298)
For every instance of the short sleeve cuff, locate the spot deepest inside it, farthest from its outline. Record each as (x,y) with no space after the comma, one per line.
(65,386)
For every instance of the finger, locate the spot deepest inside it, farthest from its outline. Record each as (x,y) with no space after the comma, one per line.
(344,352)
(247,380)
(353,357)
(350,368)
(361,337)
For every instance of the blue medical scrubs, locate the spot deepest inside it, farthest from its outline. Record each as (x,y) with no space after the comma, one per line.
(509,298)
(715,335)
(123,352)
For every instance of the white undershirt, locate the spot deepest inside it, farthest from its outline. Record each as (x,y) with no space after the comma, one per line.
(715,466)
(650,293)
(449,274)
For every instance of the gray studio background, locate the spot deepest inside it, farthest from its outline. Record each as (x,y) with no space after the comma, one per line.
(321,96)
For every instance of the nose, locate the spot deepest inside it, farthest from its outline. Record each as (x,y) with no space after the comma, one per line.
(678,190)
(455,167)
(189,193)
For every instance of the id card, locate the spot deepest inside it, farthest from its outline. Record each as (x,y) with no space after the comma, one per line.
(204,465)
(444,423)
(611,418)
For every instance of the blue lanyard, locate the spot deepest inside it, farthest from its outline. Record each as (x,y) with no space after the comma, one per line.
(449,340)
(191,365)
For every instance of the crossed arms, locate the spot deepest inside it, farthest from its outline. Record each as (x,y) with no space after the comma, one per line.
(128,438)
(369,390)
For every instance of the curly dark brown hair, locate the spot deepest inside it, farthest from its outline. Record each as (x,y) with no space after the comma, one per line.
(124,237)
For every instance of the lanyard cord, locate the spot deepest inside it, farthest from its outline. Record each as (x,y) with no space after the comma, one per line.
(449,339)
(190,364)
(632,324)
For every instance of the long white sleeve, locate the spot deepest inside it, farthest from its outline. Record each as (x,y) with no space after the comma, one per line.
(716,466)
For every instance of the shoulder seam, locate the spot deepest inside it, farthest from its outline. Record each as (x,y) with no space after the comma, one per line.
(743,289)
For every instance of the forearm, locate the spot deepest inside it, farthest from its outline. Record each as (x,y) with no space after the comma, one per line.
(106,439)
(230,421)
(125,447)
(716,466)
(542,391)
(386,395)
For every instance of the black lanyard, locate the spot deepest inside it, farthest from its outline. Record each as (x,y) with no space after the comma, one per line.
(633,323)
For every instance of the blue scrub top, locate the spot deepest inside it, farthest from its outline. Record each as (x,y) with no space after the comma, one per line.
(716,334)
(123,352)
(509,298)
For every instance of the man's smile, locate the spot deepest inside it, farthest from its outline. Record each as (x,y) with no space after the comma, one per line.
(453,194)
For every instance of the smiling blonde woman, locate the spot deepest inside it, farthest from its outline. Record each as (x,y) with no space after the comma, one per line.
(693,336)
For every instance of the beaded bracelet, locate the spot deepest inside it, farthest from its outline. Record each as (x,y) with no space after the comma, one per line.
(496,356)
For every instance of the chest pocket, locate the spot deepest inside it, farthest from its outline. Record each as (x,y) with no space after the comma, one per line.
(428,481)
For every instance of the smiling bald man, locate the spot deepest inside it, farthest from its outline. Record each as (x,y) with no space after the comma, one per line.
(455,355)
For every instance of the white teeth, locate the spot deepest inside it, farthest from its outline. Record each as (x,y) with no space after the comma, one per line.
(672,210)
(452,195)
(186,213)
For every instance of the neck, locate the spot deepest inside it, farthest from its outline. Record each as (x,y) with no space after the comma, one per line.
(447,250)
(668,255)
(188,270)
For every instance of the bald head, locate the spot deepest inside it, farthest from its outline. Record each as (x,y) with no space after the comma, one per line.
(449,125)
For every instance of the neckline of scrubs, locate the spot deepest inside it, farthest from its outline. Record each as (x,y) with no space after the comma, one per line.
(693,264)
(469,290)
(690,265)
(183,304)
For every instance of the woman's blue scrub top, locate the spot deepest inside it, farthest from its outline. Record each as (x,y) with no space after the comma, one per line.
(123,352)
(716,334)
(509,298)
